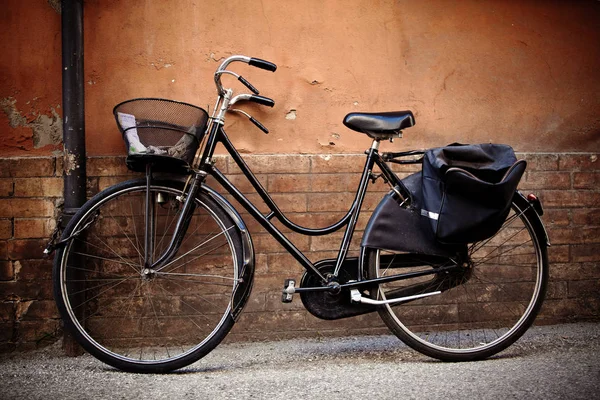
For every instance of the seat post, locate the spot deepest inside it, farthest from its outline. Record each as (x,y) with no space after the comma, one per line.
(375,144)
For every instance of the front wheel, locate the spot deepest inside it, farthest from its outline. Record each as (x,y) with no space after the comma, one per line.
(128,315)
(483,308)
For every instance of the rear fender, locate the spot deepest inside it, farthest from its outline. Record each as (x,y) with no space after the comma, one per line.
(532,208)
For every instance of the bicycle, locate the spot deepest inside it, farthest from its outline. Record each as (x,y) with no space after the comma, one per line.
(151,274)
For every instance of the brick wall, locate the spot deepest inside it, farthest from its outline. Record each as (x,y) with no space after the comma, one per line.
(314,190)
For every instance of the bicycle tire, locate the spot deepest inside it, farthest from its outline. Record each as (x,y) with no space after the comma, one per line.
(494,302)
(156,322)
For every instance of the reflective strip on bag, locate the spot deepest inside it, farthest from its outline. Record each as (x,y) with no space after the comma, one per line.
(430,215)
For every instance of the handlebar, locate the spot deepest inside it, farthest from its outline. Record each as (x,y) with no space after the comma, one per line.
(255,62)
(224,102)
(262,64)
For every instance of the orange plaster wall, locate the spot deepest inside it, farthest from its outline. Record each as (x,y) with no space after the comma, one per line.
(519,72)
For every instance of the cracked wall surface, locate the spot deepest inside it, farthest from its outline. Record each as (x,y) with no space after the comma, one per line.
(45,129)
(523,73)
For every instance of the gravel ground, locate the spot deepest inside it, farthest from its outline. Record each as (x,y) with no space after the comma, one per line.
(549,362)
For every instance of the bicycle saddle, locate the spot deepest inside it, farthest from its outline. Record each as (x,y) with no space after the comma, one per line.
(383,125)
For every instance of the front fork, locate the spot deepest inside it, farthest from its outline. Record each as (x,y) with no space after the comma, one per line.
(187,198)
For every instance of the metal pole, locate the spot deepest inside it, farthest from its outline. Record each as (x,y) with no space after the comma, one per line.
(73,119)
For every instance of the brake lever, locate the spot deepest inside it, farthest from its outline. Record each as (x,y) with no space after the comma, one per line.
(248,85)
(251,118)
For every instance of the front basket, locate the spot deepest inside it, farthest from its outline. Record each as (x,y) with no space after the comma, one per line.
(157,129)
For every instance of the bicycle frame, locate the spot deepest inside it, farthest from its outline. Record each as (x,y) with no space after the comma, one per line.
(204,166)
(218,135)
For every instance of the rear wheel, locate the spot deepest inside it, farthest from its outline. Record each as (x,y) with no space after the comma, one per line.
(128,315)
(484,307)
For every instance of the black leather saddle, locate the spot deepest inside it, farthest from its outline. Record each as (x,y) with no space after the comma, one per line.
(384,125)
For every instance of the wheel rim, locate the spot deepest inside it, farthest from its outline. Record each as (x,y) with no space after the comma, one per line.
(136,315)
(498,295)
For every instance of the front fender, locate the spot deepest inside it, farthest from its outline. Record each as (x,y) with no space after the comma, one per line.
(246,271)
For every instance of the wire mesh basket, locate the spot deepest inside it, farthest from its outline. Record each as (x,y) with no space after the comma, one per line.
(160,129)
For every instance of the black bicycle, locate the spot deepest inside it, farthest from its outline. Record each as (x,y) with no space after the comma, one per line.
(151,274)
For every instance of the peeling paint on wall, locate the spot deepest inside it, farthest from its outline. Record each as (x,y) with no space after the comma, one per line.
(46,129)
(70,162)
(291,114)
(55,4)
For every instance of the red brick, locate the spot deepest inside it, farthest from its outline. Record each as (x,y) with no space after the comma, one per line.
(585,252)
(35,331)
(59,166)
(333,241)
(545,180)
(6,335)
(287,202)
(106,166)
(578,162)
(330,201)
(583,289)
(561,235)
(335,182)
(40,310)
(6,187)
(26,208)
(569,198)
(6,229)
(34,228)
(341,201)
(558,254)
(3,250)
(405,169)
(256,302)
(556,290)
(30,270)
(269,283)
(540,161)
(260,264)
(240,182)
(586,180)
(7,311)
(26,249)
(221,162)
(274,164)
(338,163)
(38,187)
(556,217)
(7,271)
(284,263)
(588,216)
(264,243)
(29,290)
(289,183)
(314,219)
(273,303)
(20,167)
(572,271)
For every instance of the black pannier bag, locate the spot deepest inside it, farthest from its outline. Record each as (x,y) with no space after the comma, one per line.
(468,190)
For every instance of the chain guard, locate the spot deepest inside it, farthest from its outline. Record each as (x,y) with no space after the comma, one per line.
(330,305)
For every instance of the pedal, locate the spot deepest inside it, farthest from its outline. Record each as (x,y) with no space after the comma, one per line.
(289,288)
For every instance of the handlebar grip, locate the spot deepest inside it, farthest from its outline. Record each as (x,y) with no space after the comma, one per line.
(248,85)
(262,64)
(259,125)
(265,101)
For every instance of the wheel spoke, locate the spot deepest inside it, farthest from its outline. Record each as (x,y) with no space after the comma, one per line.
(480,310)
(149,320)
